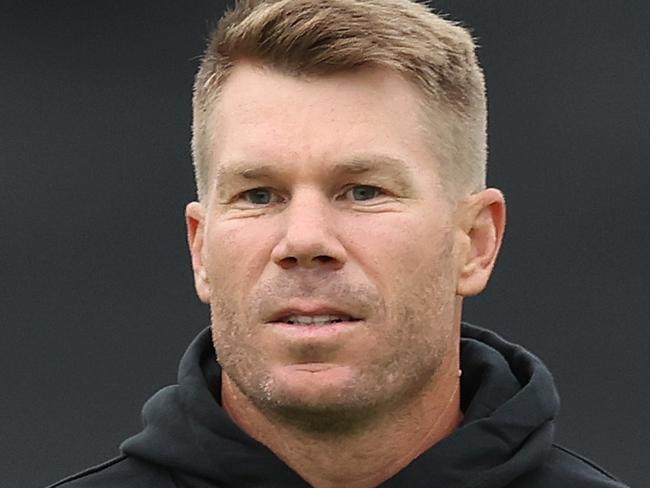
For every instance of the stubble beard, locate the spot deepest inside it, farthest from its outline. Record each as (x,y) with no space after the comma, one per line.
(411,356)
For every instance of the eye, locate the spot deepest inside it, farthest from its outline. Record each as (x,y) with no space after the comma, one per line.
(362,193)
(258,196)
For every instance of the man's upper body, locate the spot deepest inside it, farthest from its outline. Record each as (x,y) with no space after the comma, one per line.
(343,217)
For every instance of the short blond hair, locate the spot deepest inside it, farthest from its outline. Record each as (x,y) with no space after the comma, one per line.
(320,37)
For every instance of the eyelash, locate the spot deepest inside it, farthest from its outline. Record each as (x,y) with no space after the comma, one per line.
(375,188)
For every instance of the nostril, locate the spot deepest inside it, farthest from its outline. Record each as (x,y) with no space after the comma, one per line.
(324,259)
(290,260)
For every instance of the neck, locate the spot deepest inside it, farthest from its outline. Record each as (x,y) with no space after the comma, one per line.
(364,458)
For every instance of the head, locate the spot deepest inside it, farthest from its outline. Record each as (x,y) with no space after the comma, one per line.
(339,150)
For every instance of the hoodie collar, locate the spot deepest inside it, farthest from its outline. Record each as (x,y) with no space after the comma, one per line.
(508,399)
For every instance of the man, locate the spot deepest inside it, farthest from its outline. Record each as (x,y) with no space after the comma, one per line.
(340,150)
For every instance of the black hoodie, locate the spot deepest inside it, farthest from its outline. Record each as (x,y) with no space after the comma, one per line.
(509,403)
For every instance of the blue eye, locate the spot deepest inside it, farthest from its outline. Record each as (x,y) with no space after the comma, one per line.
(259,196)
(364,192)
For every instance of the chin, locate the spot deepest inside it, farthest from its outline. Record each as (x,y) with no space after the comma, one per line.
(323,411)
(332,399)
(312,385)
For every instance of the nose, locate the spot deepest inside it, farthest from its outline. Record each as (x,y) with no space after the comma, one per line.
(308,239)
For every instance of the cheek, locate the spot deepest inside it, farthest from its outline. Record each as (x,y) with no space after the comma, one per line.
(412,265)
(237,253)
(399,247)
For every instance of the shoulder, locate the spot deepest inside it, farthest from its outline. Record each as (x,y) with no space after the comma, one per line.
(122,471)
(566,468)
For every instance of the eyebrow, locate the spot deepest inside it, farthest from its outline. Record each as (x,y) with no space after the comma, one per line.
(391,167)
(371,164)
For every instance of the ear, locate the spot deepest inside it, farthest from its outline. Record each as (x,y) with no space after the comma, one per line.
(483,221)
(195,221)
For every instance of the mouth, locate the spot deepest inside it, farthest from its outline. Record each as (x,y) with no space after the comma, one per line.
(316,319)
(315,326)
(312,318)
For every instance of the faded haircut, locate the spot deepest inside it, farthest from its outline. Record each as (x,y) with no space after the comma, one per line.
(321,37)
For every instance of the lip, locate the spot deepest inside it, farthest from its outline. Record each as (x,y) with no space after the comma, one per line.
(320,333)
(311,310)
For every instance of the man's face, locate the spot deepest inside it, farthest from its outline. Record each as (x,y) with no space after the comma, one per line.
(325,207)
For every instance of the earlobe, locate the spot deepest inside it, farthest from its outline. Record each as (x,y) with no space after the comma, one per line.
(195,221)
(484,226)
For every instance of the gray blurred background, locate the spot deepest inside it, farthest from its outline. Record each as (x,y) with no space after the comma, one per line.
(96,296)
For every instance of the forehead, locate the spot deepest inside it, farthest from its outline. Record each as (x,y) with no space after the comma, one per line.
(265,115)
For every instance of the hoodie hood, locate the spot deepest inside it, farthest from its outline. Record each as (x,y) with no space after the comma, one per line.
(508,399)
